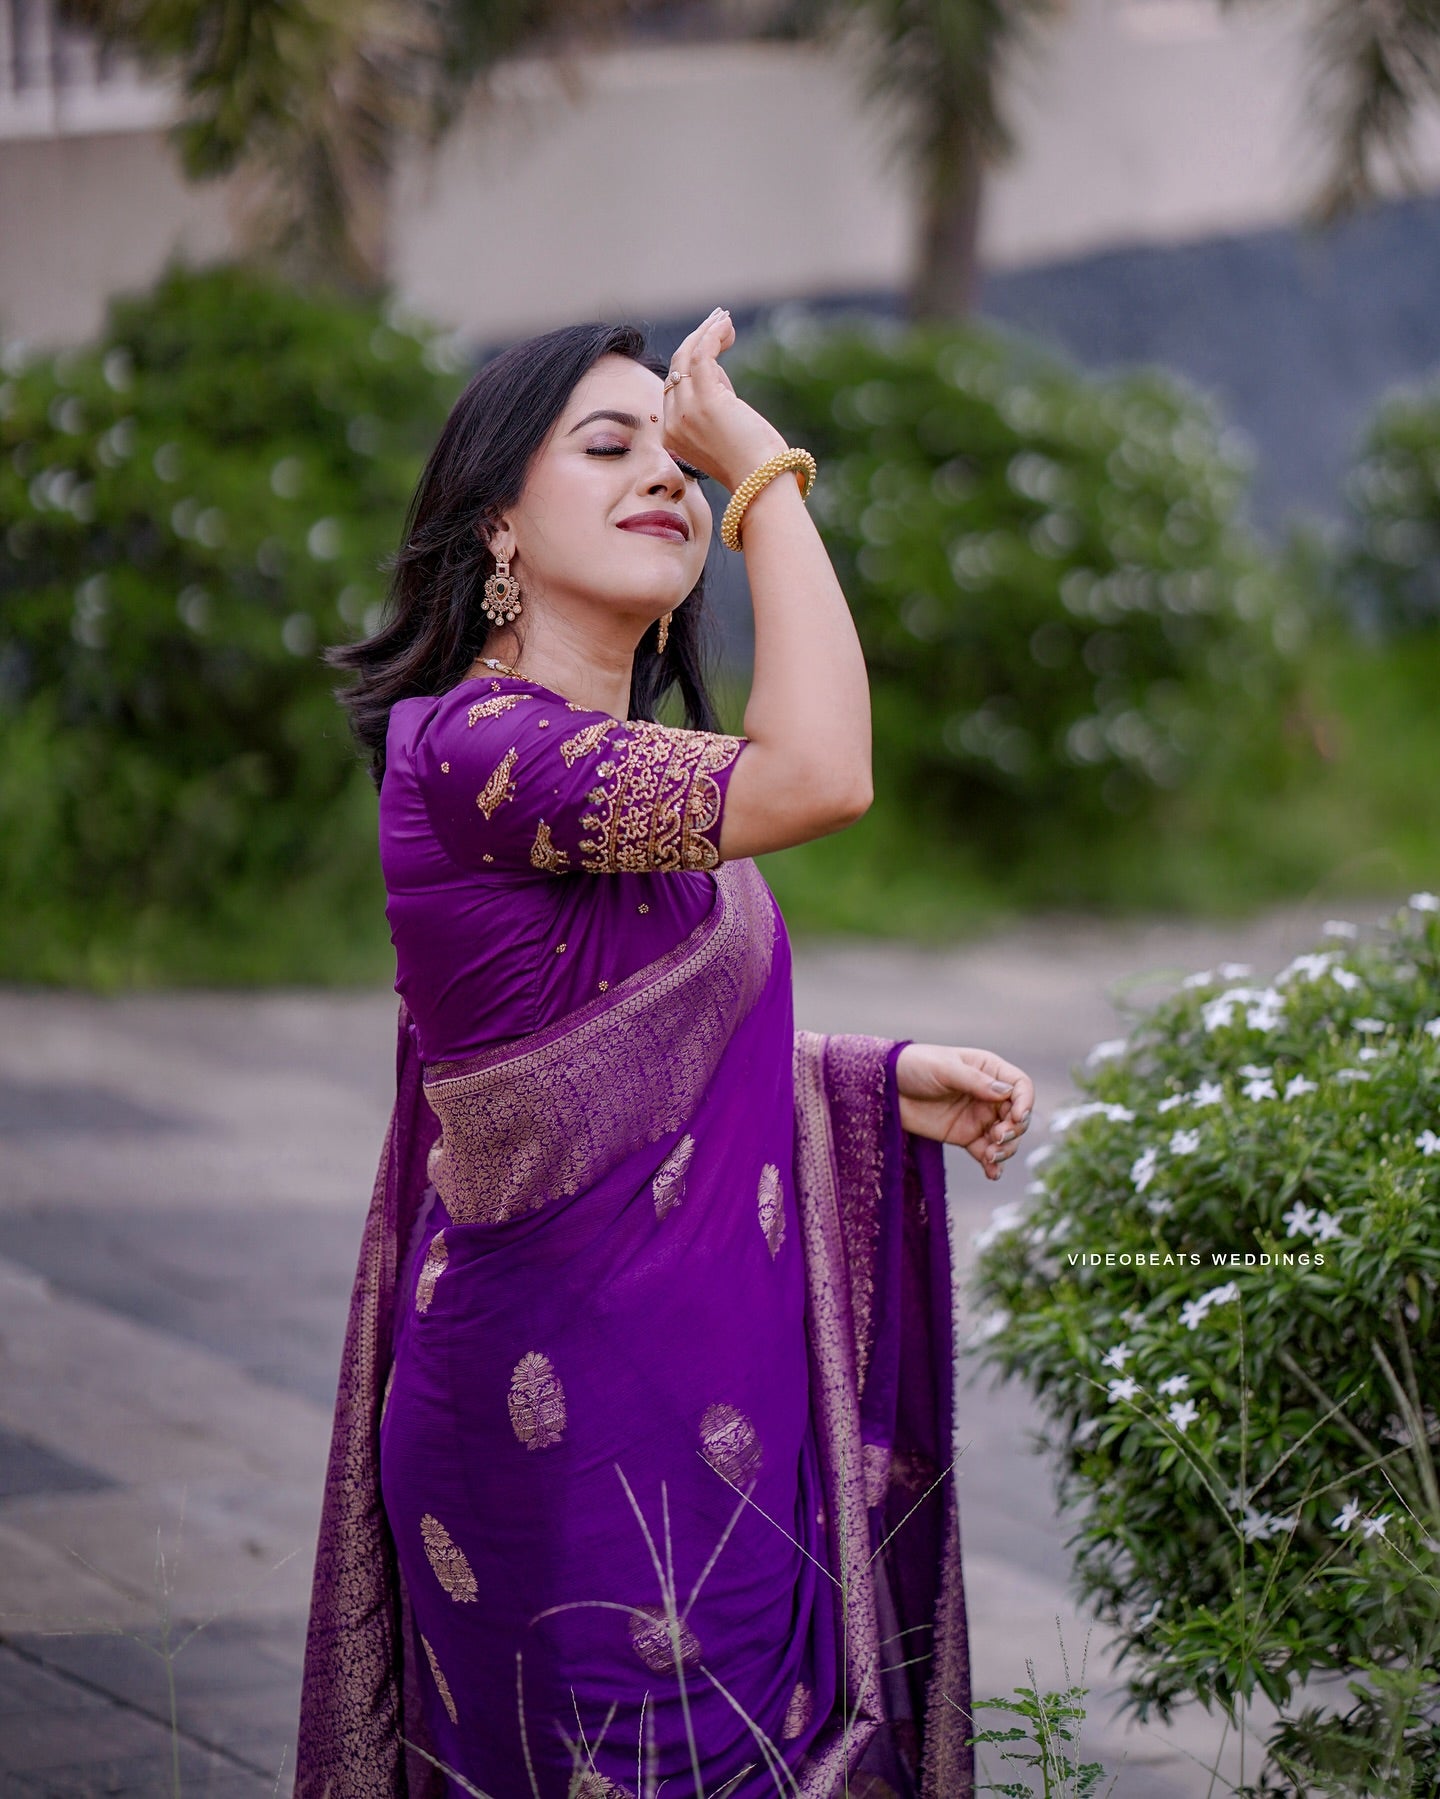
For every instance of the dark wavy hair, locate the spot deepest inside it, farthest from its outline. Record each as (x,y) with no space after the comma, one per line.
(433,627)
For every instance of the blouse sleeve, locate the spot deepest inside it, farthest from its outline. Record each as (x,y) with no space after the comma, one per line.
(521,779)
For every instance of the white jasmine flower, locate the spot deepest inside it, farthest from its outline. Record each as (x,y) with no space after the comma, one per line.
(1222,1295)
(1084,1432)
(1002,1220)
(1369,1024)
(989,1326)
(1351,1074)
(1218,1012)
(1297,1085)
(1253,1069)
(1264,1013)
(1159,1208)
(1278,1524)
(1192,1313)
(1041,1153)
(1107,1051)
(1424,902)
(1341,927)
(1327,1227)
(1433,1028)
(1204,978)
(1234,971)
(1375,1527)
(1299,1221)
(1183,1414)
(1428,1143)
(1092,1108)
(1309,968)
(1123,1389)
(1148,1616)
(1367,1055)
(1208,1093)
(1343,977)
(1347,1515)
(1184,1143)
(1263,1088)
(1174,1385)
(1142,1169)
(1117,1357)
(1174,1100)
(1256,1526)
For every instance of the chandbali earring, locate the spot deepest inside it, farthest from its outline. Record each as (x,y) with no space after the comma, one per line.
(662,639)
(501,603)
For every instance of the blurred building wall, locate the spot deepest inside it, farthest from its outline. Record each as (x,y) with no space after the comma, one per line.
(661,178)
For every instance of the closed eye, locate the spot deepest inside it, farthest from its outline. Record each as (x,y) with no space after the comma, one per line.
(687,469)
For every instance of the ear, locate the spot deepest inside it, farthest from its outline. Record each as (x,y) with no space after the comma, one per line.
(496,534)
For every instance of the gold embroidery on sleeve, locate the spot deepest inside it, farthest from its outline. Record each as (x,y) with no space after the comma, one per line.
(652,1642)
(537,1401)
(729,1443)
(668,1187)
(499,787)
(660,802)
(583,742)
(544,853)
(448,1560)
(442,1686)
(436,1259)
(770,1200)
(493,707)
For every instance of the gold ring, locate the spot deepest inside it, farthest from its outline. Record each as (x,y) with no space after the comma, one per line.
(674,376)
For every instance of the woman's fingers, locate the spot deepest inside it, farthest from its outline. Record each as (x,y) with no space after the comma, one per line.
(689,346)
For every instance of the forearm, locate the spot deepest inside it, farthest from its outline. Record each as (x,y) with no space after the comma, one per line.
(808,715)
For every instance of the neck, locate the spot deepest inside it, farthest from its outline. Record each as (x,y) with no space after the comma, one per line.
(590,668)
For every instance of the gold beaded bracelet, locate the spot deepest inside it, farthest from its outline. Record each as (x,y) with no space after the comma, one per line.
(799,460)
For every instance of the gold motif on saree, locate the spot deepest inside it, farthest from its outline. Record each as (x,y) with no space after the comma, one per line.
(583,742)
(799,1711)
(442,1686)
(652,1641)
(660,806)
(544,853)
(668,1187)
(448,1560)
(770,1199)
(499,787)
(729,1443)
(537,1401)
(522,1129)
(590,1783)
(493,707)
(875,1461)
(436,1258)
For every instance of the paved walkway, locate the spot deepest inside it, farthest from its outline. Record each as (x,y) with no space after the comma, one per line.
(181,1184)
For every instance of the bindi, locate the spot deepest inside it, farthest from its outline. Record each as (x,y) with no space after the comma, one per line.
(654,418)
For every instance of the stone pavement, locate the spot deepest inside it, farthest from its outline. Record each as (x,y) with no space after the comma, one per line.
(182,1180)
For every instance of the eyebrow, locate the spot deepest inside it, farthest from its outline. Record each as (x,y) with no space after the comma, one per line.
(620,418)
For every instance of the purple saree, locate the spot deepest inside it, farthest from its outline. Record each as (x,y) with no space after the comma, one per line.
(641,1472)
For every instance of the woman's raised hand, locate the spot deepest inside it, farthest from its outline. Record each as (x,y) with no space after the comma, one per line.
(705,420)
(969,1097)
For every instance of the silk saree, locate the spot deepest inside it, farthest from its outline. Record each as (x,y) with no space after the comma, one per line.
(642,1474)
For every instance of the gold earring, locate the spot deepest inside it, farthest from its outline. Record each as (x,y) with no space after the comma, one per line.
(501,603)
(661,641)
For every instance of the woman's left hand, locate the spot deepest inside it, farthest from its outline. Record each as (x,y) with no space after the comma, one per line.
(969,1097)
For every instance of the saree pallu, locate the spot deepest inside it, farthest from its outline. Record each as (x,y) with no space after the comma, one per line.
(642,1475)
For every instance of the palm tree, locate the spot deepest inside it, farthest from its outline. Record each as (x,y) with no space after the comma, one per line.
(310,98)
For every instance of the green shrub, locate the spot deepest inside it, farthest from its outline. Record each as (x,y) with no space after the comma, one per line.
(1391,565)
(1064,616)
(1222,1288)
(188,510)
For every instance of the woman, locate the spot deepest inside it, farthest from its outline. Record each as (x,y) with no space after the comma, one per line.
(641,1479)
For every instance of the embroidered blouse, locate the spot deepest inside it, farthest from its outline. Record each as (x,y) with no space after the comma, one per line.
(501,802)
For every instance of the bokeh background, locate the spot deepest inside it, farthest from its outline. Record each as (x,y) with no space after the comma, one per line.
(1115,328)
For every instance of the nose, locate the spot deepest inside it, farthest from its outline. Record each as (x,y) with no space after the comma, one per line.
(660,473)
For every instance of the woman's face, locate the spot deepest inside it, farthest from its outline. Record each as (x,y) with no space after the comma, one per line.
(607,516)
